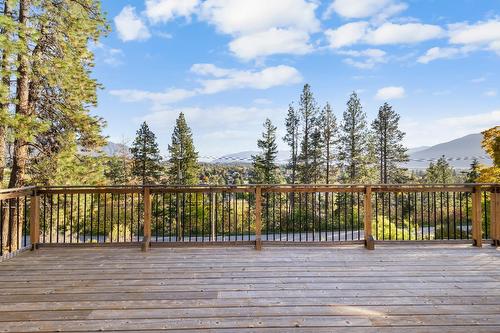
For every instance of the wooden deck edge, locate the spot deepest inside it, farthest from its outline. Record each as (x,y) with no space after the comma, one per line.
(14,254)
(82,245)
(311,244)
(251,243)
(202,244)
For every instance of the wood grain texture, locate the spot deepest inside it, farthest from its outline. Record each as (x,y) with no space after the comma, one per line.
(397,288)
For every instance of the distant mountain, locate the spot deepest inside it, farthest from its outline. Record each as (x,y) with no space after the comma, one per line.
(417,149)
(114,149)
(460,151)
(245,157)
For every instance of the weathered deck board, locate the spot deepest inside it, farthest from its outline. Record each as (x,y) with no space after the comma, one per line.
(396,288)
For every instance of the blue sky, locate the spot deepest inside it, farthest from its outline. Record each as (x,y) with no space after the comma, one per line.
(229,64)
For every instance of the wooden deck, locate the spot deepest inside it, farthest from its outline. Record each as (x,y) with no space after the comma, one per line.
(396,288)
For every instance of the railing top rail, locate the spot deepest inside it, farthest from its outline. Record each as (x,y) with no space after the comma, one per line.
(201,188)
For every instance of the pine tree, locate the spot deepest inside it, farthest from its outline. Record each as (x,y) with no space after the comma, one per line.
(353,142)
(389,151)
(473,174)
(184,168)
(264,164)
(53,87)
(328,126)
(292,123)
(7,24)
(440,172)
(316,154)
(146,159)
(308,117)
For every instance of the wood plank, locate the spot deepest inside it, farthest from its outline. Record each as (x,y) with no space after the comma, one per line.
(432,288)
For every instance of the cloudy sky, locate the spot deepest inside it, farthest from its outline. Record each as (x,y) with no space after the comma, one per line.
(229,64)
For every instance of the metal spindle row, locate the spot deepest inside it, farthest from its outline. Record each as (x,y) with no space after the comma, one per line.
(14,224)
(312,216)
(91,218)
(202,217)
(423,215)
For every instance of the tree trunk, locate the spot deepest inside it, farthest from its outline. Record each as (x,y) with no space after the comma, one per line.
(20,156)
(4,107)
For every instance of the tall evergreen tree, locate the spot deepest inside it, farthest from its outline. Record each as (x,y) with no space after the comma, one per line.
(473,174)
(316,155)
(353,142)
(308,111)
(53,86)
(389,150)
(440,172)
(184,169)
(292,123)
(264,164)
(7,24)
(146,159)
(328,126)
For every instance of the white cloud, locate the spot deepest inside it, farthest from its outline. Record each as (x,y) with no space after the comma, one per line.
(240,124)
(238,17)
(431,132)
(439,53)
(490,93)
(388,93)
(235,79)
(261,28)
(130,27)
(262,101)
(113,56)
(409,33)
(386,34)
(478,33)
(370,58)
(347,34)
(215,80)
(166,10)
(272,41)
(482,35)
(157,98)
(358,8)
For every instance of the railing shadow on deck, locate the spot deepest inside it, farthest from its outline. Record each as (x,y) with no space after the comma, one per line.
(157,215)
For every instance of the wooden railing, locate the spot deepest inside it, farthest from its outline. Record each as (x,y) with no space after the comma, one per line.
(251,215)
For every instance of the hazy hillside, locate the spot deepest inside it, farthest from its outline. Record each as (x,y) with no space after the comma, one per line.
(245,157)
(461,150)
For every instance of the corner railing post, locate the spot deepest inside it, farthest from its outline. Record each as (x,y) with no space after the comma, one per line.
(34,220)
(258,218)
(495,216)
(477,232)
(369,241)
(146,242)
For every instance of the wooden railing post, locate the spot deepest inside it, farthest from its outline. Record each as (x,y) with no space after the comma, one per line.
(477,225)
(146,242)
(258,218)
(34,220)
(495,216)
(369,241)
(212,217)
